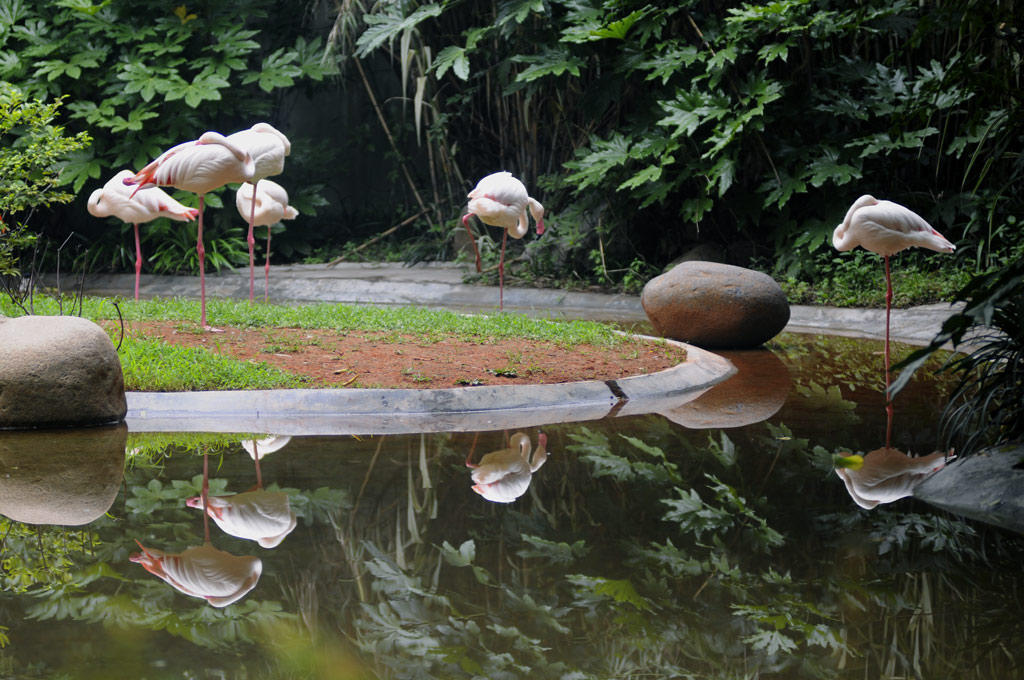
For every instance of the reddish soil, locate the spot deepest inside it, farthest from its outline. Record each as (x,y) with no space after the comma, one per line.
(356,359)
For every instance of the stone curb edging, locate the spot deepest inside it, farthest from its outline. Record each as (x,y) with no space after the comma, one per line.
(408,411)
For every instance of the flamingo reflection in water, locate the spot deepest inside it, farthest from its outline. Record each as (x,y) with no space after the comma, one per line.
(886,475)
(203,571)
(504,475)
(256,515)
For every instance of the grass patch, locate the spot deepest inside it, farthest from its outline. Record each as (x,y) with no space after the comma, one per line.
(154,366)
(427,324)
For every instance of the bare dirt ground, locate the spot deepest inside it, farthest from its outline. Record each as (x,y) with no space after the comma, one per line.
(356,359)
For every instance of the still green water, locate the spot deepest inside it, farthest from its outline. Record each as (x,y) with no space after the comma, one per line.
(642,547)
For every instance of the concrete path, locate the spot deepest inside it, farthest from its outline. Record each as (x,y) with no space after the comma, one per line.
(440,285)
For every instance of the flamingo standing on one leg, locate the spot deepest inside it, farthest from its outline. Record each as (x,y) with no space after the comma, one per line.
(198,166)
(269,207)
(886,228)
(501,201)
(268,147)
(116,199)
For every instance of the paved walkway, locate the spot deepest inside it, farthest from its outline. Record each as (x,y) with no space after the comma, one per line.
(440,285)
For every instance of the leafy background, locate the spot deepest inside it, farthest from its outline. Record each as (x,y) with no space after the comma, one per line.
(646,130)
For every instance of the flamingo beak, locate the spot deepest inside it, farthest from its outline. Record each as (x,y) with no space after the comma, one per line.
(540,227)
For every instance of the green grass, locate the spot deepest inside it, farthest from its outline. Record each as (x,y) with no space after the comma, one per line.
(428,325)
(155,366)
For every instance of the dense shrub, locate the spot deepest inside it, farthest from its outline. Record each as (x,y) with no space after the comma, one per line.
(141,77)
(646,129)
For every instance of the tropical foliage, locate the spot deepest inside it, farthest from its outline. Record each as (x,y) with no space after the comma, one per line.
(648,129)
(31,147)
(141,78)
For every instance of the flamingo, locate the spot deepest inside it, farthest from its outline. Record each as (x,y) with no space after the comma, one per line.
(257,448)
(504,475)
(257,515)
(885,475)
(116,199)
(268,147)
(500,200)
(270,207)
(203,571)
(199,166)
(886,228)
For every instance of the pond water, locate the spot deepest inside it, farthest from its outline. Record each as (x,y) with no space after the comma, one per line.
(656,546)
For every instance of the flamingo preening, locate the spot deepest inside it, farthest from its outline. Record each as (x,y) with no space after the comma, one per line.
(199,166)
(500,200)
(263,205)
(268,147)
(886,228)
(117,200)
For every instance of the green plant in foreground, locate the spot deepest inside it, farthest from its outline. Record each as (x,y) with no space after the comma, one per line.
(31,147)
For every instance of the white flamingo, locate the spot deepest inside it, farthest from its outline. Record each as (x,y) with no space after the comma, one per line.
(886,228)
(199,166)
(504,475)
(269,207)
(268,147)
(501,200)
(115,199)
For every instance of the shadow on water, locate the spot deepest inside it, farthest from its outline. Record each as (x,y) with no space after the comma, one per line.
(712,540)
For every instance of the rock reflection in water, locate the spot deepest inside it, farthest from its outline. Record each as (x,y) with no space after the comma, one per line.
(204,571)
(504,475)
(755,393)
(66,477)
(885,475)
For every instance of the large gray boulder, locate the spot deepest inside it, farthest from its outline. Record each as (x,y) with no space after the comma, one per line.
(716,306)
(58,371)
(69,477)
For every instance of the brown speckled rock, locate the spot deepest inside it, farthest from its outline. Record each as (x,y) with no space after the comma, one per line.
(58,371)
(68,477)
(716,306)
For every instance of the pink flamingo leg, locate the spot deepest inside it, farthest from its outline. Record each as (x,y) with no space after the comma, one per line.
(888,398)
(138,260)
(256,455)
(252,243)
(206,495)
(266,270)
(202,265)
(472,239)
(501,273)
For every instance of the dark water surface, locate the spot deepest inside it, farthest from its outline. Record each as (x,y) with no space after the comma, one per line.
(714,542)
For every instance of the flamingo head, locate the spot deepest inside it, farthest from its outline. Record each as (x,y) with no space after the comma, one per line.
(537,210)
